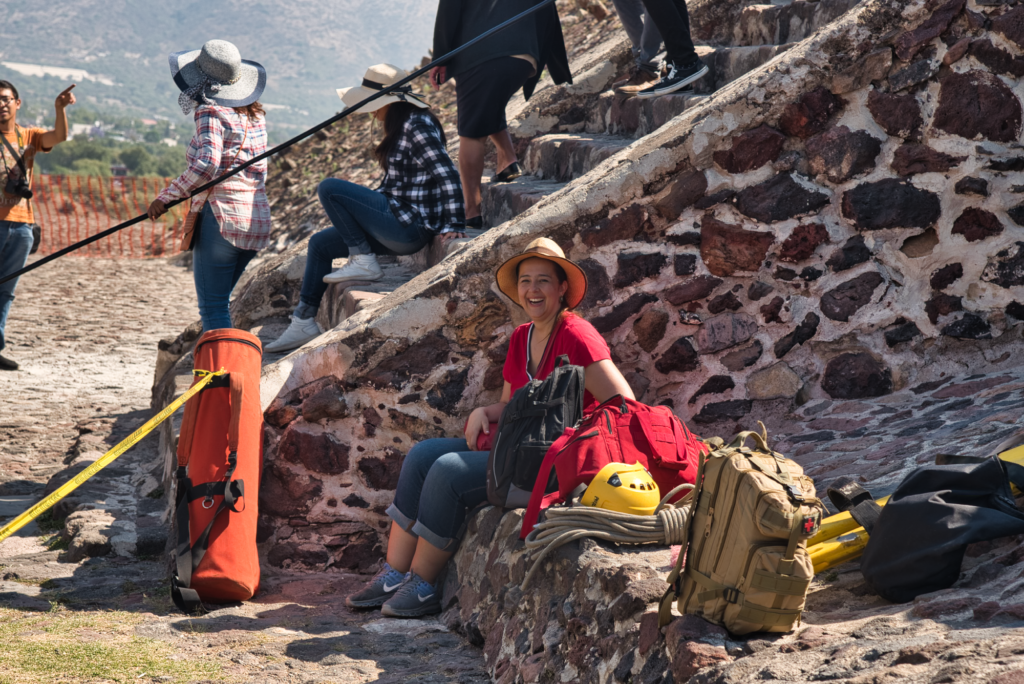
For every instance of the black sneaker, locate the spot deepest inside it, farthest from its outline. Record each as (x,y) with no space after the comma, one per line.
(414,598)
(677,79)
(8,364)
(378,590)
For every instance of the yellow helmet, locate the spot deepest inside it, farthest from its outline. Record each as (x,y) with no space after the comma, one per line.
(626,488)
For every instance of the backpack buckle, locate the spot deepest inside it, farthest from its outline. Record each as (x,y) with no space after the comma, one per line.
(731,595)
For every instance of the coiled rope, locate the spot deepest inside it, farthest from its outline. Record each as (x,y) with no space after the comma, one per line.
(668,525)
(397,85)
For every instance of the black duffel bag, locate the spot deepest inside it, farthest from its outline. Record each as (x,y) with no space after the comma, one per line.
(919,541)
(537,415)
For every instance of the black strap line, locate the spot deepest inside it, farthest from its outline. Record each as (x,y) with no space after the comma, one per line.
(283,146)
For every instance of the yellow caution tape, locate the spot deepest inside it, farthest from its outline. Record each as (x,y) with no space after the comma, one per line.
(107,458)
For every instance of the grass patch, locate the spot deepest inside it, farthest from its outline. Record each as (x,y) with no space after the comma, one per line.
(55,542)
(72,646)
(48,523)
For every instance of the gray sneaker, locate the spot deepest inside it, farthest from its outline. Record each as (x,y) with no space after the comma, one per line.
(414,598)
(383,585)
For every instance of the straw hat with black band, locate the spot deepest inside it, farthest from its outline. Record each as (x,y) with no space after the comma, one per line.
(543,248)
(216,74)
(377,78)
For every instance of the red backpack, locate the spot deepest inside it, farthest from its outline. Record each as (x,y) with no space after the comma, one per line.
(618,431)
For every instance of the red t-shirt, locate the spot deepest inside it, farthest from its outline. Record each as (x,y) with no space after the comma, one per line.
(574,337)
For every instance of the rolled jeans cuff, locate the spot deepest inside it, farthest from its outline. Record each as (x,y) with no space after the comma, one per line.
(404,521)
(436,540)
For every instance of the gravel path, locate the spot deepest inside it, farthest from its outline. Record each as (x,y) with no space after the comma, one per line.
(85,331)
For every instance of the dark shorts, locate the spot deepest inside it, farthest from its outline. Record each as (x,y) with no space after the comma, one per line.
(483,92)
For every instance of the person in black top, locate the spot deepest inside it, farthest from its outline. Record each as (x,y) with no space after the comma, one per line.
(489,73)
(419,198)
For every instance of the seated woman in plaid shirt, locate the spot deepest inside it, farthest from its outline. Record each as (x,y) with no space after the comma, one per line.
(419,198)
(233,218)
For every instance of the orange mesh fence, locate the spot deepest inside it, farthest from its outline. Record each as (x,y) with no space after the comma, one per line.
(72,208)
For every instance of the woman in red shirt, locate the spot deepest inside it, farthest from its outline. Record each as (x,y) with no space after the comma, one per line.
(443,479)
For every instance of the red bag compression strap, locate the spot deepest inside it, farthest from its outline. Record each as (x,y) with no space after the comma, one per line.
(237,385)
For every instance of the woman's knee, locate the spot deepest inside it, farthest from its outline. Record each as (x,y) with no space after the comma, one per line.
(330,187)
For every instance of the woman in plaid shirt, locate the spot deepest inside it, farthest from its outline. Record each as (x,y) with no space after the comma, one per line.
(233,220)
(420,198)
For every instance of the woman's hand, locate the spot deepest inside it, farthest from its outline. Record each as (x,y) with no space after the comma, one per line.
(438,75)
(156,210)
(478,422)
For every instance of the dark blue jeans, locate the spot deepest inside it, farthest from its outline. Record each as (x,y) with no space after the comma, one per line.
(363,223)
(216,266)
(15,244)
(441,481)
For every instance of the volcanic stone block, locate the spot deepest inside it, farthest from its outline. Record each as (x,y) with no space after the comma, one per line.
(1015,164)
(723,302)
(920,245)
(1006,269)
(845,300)
(890,203)
(751,150)
(976,104)
(691,290)
(970,327)
(285,493)
(853,252)
(972,186)
(618,315)
(681,193)
(942,305)
(716,384)
(902,331)
(802,242)
(634,267)
(946,276)
(841,154)
(1017,214)
(810,114)
(744,357)
(914,158)
(977,224)
(800,334)
(778,199)
(319,452)
(918,72)
(721,197)
(770,311)
(598,284)
(684,264)
(1015,309)
(328,403)
(723,410)
(774,382)
(898,115)
(727,248)
(679,358)
(758,289)
(856,375)
(996,59)
(650,329)
(1011,25)
(686,239)
(381,473)
(626,225)
(419,358)
(910,42)
(956,51)
(724,331)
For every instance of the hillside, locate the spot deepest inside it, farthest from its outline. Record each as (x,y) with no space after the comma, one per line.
(308,49)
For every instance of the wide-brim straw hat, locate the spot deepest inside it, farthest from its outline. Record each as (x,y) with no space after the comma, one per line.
(377,78)
(227,79)
(543,248)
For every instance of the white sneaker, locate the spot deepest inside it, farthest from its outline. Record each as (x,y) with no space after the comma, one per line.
(301,331)
(358,267)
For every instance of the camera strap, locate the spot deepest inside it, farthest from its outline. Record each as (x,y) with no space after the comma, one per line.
(18,159)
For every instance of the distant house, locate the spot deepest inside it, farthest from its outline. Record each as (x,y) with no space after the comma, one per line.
(148,122)
(118,170)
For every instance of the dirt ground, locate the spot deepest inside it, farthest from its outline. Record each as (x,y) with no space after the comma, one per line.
(85,332)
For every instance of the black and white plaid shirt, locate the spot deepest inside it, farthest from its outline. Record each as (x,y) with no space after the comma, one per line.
(422,183)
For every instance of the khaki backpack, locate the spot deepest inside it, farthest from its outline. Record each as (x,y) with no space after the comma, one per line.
(747,567)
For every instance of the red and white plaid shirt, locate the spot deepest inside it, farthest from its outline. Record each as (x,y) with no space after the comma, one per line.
(239,203)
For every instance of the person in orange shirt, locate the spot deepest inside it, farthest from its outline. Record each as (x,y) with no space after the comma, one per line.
(16,157)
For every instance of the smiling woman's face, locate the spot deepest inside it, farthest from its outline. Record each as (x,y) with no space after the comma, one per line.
(539,291)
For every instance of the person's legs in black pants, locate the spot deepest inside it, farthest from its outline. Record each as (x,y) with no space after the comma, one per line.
(684,67)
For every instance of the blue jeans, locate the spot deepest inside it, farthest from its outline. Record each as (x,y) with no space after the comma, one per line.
(440,483)
(643,34)
(216,266)
(363,224)
(15,244)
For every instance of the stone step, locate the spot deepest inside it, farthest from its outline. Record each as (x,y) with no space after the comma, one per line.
(779,24)
(344,299)
(725,65)
(566,156)
(504,201)
(635,118)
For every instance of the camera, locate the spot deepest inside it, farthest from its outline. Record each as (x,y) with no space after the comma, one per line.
(18,186)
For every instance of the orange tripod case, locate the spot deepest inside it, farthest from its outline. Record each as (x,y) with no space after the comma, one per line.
(220,458)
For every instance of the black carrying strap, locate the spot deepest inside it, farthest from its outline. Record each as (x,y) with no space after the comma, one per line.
(188,555)
(847,495)
(18,159)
